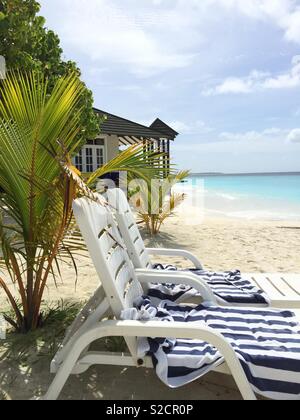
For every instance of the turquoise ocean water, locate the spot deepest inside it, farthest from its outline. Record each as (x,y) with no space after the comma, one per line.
(275,196)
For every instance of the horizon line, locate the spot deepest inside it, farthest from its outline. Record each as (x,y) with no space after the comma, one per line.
(244,173)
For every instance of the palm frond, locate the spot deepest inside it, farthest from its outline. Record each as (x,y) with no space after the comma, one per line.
(137,161)
(31,184)
(158,202)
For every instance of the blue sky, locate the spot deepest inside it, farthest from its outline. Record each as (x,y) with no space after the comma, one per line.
(224,73)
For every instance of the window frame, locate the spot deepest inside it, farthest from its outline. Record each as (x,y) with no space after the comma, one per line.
(80,161)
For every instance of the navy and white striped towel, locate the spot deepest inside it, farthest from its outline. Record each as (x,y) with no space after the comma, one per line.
(229,287)
(267,343)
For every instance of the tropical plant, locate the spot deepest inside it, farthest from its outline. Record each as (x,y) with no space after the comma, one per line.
(156,201)
(44,342)
(27,45)
(37,132)
(34,196)
(138,162)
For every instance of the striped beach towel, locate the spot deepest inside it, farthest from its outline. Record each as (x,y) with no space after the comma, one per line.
(267,343)
(230,288)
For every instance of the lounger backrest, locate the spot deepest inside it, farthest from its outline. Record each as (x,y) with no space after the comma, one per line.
(110,258)
(128,228)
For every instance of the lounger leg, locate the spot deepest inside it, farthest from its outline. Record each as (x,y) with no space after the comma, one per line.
(65,370)
(243,384)
(60,379)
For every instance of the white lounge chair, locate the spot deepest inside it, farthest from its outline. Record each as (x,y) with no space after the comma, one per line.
(282,290)
(120,289)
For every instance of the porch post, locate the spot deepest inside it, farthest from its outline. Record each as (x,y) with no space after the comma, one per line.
(168,156)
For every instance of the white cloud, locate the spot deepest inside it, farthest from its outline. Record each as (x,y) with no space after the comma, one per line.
(294,136)
(231,85)
(258,81)
(285,14)
(267,136)
(152,37)
(291,23)
(197,127)
(255,136)
(116,35)
(236,85)
(287,80)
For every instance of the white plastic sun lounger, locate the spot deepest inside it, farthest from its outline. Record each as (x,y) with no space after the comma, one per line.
(120,288)
(283,290)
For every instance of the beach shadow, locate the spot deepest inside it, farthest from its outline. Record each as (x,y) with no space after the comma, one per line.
(110,383)
(162,240)
(289,227)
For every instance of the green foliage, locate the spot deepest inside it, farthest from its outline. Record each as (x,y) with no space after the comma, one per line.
(157,201)
(43,343)
(28,45)
(35,198)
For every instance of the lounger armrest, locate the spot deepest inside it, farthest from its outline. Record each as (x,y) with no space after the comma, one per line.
(178,278)
(177,253)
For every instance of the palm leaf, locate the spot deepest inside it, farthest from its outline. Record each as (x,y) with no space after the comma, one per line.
(137,161)
(157,202)
(31,185)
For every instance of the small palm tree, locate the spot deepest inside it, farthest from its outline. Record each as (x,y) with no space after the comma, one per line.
(158,201)
(35,194)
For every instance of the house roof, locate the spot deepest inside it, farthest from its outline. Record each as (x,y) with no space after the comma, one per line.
(126,128)
(162,127)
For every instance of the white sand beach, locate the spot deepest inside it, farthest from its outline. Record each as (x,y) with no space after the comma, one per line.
(221,244)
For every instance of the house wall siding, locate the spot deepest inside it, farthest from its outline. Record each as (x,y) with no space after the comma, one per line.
(112,147)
